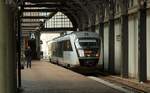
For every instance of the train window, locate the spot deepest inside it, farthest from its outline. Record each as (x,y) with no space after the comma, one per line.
(59,49)
(53,48)
(88,42)
(67,45)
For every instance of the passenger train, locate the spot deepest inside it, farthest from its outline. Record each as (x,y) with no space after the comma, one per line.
(80,48)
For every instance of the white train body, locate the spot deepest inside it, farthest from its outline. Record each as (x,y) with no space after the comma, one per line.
(75,49)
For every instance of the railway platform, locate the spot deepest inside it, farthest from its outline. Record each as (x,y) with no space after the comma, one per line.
(45,77)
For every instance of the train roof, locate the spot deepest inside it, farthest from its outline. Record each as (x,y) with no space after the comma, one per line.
(86,34)
(78,34)
(82,33)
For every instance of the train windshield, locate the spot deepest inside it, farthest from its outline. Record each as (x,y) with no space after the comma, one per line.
(87,43)
(84,43)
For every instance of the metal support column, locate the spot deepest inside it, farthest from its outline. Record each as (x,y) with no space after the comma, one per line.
(124,29)
(142,42)
(111,66)
(38,44)
(19,48)
(111,47)
(101,31)
(7,49)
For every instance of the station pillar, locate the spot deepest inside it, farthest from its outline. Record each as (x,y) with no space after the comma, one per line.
(7,49)
(142,64)
(125,38)
(111,66)
(124,29)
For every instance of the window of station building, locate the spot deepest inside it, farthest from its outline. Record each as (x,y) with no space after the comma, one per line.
(106,13)
(117,8)
(59,20)
(130,3)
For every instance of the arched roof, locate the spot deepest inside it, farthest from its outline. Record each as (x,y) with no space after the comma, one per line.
(80,12)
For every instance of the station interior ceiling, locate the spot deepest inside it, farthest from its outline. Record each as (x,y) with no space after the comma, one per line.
(34,13)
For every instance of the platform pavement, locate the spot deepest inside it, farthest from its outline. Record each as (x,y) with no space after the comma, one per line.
(44,77)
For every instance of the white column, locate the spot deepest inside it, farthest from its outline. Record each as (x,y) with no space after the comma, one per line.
(133,46)
(118,47)
(106,46)
(148,45)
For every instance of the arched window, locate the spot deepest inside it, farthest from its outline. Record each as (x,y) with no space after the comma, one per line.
(59,20)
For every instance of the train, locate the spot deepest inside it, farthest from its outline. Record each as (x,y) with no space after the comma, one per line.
(81,48)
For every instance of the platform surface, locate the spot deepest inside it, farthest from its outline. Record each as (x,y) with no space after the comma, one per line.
(45,77)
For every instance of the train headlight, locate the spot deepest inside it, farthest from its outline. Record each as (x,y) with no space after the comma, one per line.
(88,55)
(97,55)
(81,53)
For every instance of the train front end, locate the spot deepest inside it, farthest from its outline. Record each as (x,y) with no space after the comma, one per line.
(88,48)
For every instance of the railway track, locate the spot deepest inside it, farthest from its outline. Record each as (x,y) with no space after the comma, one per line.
(101,78)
